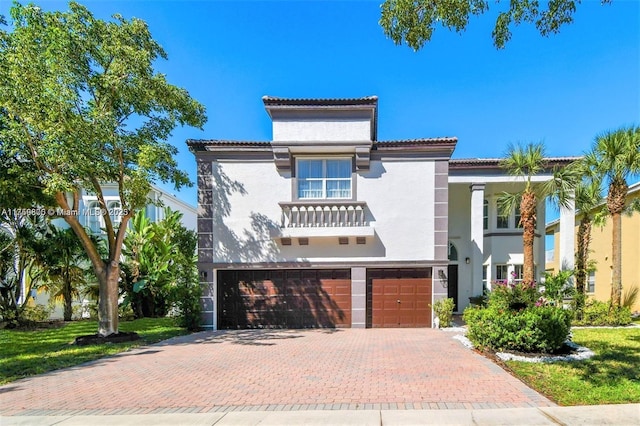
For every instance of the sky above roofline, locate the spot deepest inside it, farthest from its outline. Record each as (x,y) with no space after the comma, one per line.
(562,90)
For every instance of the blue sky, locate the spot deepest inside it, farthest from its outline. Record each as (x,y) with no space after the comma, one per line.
(562,90)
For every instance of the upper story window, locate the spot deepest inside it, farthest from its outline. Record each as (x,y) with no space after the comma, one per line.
(324,178)
(92,215)
(518,217)
(502,221)
(115,212)
(485,215)
(591,282)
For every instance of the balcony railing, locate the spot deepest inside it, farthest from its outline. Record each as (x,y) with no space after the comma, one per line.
(323,214)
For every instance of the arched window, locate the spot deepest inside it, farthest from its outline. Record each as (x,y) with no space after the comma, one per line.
(93,217)
(453,252)
(115,212)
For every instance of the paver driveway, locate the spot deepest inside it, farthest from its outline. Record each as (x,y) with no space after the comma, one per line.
(277,370)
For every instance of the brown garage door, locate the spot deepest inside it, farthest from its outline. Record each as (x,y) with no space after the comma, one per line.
(284,299)
(400,302)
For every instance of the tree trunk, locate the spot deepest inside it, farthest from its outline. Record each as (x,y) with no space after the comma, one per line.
(528,220)
(616,259)
(615,204)
(66,296)
(582,253)
(108,300)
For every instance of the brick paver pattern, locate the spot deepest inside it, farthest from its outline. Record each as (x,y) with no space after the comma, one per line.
(277,370)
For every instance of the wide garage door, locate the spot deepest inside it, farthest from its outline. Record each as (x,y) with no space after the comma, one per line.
(284,298)
(400,298)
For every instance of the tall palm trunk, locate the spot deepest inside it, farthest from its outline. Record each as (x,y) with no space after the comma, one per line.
(528,219)
(582,252)
(615,205)
(582,260)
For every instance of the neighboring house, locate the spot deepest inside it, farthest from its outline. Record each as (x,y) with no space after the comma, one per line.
(325,226)
(599,280)
(91,218)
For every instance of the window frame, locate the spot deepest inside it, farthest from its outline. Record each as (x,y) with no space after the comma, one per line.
(506,273)
(518,273)
(591,282)
(296,179)
(94,218)
(485,215)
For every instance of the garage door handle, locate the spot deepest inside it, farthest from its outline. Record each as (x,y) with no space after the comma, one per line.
(398,300)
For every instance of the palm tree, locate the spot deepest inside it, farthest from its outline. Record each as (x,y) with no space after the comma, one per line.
(589,201)
(525,162)
(67,268)
(615,156)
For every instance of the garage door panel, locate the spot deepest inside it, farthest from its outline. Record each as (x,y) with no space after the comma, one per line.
(414,296)
(284,298)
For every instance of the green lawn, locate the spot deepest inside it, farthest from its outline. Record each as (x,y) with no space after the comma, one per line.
(27,353)
(612,376)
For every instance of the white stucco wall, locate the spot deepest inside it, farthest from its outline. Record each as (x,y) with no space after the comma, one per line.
(400,207)
(498,249)
(321,130)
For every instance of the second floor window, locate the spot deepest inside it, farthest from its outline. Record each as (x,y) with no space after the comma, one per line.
(502,221)
(321,179)
(591,282)
(485,215)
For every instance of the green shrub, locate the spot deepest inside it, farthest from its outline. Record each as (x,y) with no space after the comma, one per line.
(443,309)
(512,296)
(187,297)
(600,313)
(531,329)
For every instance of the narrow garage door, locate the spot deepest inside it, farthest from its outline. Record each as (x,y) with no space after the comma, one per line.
(284,299)
(401,301)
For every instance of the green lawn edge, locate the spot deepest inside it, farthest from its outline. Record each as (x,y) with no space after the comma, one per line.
(612,376)
(26,353)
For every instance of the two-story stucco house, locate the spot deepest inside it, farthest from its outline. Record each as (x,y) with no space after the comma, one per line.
(326,226)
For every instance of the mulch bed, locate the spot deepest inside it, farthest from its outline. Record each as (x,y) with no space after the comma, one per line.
(96,339)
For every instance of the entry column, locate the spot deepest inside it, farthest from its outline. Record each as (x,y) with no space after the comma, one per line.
(477,236)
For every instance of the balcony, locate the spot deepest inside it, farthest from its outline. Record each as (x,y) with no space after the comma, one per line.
(324,218)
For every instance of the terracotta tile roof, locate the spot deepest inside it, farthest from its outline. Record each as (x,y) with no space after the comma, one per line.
(413,142)
(276,101)
(479,163)
(201,144)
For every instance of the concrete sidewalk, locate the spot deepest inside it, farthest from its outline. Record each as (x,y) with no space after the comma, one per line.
(583,415)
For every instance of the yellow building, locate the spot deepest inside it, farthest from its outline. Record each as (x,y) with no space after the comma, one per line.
(599,281)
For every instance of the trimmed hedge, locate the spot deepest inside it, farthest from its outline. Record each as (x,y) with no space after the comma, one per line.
(532,329)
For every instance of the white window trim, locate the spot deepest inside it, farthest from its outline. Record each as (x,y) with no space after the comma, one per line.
(114,211)
(324,179)
(591,278)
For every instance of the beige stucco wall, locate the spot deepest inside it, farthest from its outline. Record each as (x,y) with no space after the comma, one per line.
(601,254)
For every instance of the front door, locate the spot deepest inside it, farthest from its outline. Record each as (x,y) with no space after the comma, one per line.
(452,285)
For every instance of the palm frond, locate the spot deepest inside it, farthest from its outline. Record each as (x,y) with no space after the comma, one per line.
(524,161)
(508,202)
